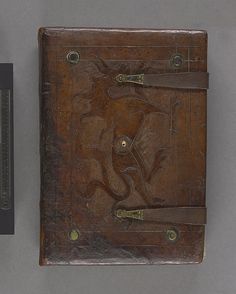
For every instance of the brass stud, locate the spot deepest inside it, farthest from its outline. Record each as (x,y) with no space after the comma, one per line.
(177,60)
(73,235)
(172,235)
(124,143)
(73,57)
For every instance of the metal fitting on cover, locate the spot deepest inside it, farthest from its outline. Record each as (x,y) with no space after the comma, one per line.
(172,235)
(177,60)
(73,57)
(74,235)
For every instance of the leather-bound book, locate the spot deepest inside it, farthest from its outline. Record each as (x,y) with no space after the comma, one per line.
(123,145)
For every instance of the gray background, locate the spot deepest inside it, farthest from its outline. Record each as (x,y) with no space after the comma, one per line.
(19,270)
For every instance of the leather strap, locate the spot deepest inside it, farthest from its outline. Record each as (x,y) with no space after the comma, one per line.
(175,215)
(180,80)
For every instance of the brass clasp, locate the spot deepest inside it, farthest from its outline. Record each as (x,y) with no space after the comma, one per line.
(136,79)
(135,214)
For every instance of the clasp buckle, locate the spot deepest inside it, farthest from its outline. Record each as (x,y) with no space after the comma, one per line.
(136,79)
(135,214)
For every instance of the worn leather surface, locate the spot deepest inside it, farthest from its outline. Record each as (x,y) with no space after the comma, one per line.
(88,172)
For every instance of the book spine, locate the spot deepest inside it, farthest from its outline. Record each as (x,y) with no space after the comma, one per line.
(46,128)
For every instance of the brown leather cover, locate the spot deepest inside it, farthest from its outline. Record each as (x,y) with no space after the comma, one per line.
(108,147)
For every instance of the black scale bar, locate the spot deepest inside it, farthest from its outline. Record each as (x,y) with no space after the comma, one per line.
(5,156)
(6,150)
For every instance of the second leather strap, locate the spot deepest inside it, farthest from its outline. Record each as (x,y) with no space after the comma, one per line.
(178,215)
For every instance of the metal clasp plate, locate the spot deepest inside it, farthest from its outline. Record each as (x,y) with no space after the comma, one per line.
(135,214)
(136,79)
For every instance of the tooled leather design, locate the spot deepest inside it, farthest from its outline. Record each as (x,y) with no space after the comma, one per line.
(106,114)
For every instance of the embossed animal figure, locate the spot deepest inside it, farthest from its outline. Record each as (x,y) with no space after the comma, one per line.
(118,141)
